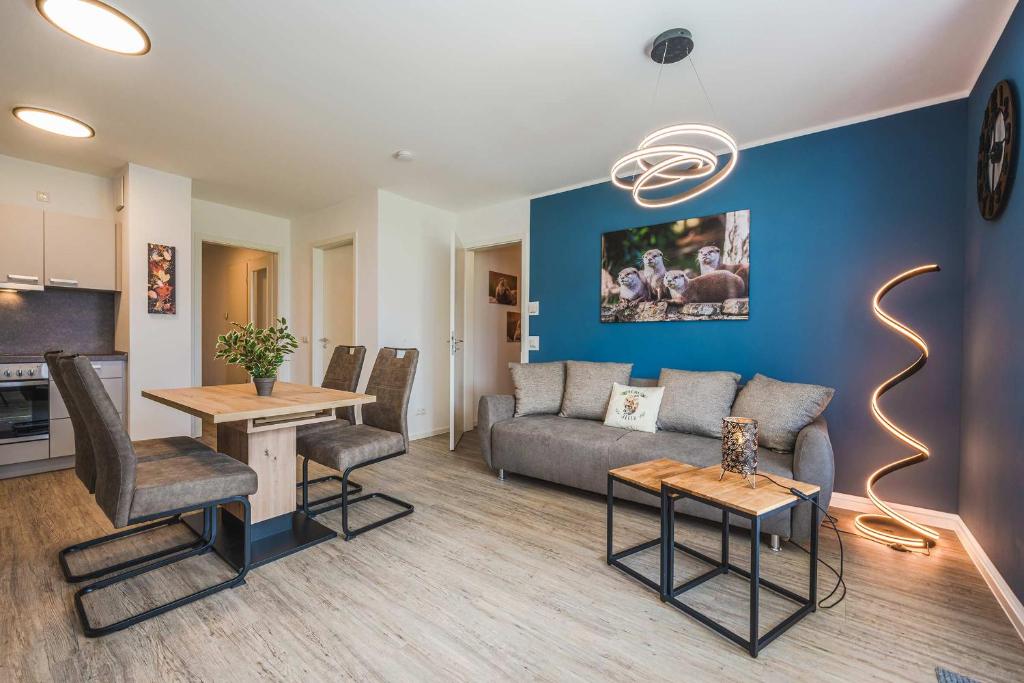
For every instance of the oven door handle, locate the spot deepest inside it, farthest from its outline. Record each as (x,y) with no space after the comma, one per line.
(24,383)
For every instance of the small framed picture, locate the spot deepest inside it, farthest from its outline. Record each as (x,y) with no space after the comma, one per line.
(502,289)
(160,293)
(513,327)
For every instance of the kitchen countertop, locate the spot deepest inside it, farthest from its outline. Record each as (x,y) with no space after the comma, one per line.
(38,358)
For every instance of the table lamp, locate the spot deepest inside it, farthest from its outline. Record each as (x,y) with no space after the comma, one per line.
(739,447)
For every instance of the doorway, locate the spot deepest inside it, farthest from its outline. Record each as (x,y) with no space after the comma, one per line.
(334,302)
(489,326)
(238,285)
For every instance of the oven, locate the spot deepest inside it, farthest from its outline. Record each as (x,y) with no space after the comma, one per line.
(24,403)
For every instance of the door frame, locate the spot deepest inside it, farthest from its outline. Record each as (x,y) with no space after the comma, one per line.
(316,295)
(198,239)
(469,318)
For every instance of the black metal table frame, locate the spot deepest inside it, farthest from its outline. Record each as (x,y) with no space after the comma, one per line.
(753,642)
(615,558)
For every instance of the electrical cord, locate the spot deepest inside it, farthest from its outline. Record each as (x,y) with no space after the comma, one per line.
(832,521)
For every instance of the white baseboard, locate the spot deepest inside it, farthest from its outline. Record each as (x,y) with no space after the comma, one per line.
(427,434)
(1006,598)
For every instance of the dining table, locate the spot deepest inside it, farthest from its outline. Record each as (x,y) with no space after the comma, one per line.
(261,431)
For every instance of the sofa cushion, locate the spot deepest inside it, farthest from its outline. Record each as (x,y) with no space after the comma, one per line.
(538,387)
(696,402)
(634,408)
(559,449)
(699,451)
(588,387)
(781,409)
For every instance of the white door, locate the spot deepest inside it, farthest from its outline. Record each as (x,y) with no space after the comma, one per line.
(457,311)
(338,304)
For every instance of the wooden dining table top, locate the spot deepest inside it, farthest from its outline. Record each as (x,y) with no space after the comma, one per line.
(235,402)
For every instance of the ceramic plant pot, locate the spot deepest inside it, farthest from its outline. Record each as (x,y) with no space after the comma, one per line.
(264,385)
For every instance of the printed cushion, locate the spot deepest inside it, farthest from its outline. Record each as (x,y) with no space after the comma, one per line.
(696,402)
(634,408)
(781,409)
(538,387)
(588,387)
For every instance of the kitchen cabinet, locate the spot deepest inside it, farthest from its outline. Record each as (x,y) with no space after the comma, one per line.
(62,436)
(80,252)
(21,245)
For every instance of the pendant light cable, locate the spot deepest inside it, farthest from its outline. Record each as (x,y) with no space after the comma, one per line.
(704,90)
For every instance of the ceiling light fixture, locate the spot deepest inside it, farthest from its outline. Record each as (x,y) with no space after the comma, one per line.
(52,122)
(96,23)
(663,159)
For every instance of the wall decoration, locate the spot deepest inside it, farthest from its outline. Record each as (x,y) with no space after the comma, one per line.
(997,151)
(502,288)
(161,294)
(690,269)
(513,327)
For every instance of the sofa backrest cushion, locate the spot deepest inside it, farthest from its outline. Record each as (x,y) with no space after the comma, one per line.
(696,402)
(538,387)
(781,409)
(588,387)
(634,408)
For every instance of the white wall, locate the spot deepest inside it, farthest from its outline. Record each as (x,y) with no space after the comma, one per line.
(355,217)
(158,210)
(71,192)
(488,351)
(414,280)
(224,224)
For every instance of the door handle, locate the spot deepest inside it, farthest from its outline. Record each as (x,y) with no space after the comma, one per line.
(23,278)
(323,341)
(62,281)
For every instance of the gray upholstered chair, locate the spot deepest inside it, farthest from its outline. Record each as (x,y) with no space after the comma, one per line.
(131,490)
(85,468)
(343,374)
(384,434)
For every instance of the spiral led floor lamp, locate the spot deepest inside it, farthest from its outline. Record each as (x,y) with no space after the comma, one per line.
(880,526)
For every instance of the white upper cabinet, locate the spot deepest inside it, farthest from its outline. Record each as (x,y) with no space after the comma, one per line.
(80,252)
(21,245)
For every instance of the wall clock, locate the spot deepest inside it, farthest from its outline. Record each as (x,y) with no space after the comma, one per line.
(997,151)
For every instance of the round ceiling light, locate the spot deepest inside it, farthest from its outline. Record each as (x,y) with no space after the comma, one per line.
(53,122)
(96,23)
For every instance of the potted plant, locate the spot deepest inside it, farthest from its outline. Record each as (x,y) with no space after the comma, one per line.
(259,350)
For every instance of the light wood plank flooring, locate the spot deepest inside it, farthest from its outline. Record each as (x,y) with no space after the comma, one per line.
(488,580)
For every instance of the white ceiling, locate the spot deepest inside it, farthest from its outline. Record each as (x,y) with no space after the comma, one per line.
(287,107)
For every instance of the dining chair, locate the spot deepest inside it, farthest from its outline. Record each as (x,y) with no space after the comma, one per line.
(384,434)
(133,490)
(343,374)
(85,469)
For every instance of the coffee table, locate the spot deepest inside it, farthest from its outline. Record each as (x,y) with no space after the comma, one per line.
(732,494)
(647,477)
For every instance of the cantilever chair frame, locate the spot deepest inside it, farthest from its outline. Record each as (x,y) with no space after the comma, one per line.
(210,527)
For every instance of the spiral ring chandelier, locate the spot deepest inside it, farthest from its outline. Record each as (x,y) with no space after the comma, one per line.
(877,526)
(669,155)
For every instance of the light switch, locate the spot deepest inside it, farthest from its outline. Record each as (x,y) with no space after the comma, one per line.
(533,308)
(533,343)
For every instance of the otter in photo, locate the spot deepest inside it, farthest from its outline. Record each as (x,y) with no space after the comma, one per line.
(654,274)
(503,293)
(632,287)
(710,260)
(712,288)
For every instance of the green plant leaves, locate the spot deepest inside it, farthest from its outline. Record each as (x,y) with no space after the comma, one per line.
(260,350)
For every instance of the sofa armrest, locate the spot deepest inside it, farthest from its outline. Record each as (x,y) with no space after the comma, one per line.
(492,409)
(813,462)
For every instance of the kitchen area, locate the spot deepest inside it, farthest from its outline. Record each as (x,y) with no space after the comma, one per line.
(59,289)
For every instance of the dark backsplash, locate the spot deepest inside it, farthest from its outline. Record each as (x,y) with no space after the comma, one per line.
(74,321)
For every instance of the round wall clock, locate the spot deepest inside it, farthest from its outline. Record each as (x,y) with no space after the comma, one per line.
(996,151)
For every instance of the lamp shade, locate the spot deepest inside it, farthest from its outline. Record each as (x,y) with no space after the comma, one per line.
(739,445)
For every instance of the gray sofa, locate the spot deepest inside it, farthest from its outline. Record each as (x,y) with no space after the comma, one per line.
(579,453)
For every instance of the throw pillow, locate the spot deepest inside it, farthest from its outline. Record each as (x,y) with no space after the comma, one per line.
(781,409)
(538,387)
(696,402)
(634,408)
(588,387)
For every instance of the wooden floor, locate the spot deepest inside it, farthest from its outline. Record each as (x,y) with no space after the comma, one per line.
(488,580)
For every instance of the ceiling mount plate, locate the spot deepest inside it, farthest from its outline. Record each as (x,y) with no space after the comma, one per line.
(672,46)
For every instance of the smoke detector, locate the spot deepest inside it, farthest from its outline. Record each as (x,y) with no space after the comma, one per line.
(403,155)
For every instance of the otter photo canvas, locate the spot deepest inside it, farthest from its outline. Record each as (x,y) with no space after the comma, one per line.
(689,269)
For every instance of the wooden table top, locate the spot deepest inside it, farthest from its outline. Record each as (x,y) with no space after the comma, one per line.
(734,491)
(234,402)
(648,475)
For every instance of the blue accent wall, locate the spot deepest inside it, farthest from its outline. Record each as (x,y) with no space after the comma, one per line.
(992,460)
(833,216)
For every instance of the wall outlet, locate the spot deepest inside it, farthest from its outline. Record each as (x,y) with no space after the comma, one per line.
(302,340)
(533,308)
(533,343)
(43,197)
(421,411)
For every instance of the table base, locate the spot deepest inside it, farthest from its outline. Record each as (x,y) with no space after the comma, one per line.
(272,538)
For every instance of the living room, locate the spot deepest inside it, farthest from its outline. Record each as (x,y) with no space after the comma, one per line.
(512,245)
